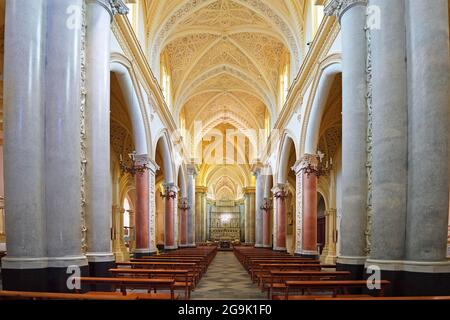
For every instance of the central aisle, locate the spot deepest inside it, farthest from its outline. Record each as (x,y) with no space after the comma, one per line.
(226,279)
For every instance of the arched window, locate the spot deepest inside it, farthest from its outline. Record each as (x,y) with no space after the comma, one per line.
(166,84)
(284,79)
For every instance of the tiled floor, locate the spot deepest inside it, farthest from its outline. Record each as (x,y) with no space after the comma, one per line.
(226,279)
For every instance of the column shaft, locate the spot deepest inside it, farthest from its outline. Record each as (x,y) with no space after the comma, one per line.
(169,217)
(192,203)
(310,215)
(429,96)
(258,221)
(142,219)
(63,147)
(98,173)
(24,68)
(354,132)
(266,211)
(280,198)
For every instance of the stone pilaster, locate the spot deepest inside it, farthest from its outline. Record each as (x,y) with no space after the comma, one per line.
(329,251)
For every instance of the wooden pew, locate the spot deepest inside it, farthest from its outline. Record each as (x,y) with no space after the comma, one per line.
(277,279)
(265,268)
(27,295)
(335,286)
(183,279)
(201,262)
(130,283)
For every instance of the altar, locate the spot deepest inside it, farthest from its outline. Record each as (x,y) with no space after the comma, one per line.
(225,226)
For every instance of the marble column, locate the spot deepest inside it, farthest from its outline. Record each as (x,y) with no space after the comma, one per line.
(352,15)
(152,168)
(390,139)
(170,195)
(259,195)
(266,212)
(280,194)
(200,212)
(142,210)
(306,207)
(184,216)
(24,66)
(249,209)
(310,215)
(428,133)
(62,139)
(99,14)
(191,213)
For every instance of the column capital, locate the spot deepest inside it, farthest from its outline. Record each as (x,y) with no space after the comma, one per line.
(339,7)
(192,170)
(280,191)
(308,160)
(114,7)
(256,167)
(184,203)
(201,189)
(266,204)
(170,190)
(249,190)
(142,159)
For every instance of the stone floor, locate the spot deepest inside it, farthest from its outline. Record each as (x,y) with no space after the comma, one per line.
(226,279)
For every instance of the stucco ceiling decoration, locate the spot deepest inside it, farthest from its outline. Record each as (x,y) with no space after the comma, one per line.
(234,12)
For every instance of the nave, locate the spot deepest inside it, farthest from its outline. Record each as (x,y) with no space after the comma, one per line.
(145,145)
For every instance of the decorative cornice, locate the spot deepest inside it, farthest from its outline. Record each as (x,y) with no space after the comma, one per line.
(339,7)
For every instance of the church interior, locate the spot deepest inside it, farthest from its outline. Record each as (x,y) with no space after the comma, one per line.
(224,149)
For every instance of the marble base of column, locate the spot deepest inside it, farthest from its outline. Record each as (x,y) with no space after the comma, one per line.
(267,246)
(24,274)
(57,272)
(412,278)
(258,245)
(100,263)
(191,245)
(279,249)
(139,253)
(355,265)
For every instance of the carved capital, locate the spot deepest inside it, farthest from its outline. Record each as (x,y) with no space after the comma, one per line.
(280,191)
(184,204)
(118,7)
(113,7)
(307,161)
(170,191)
(191,170)
(339,7)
